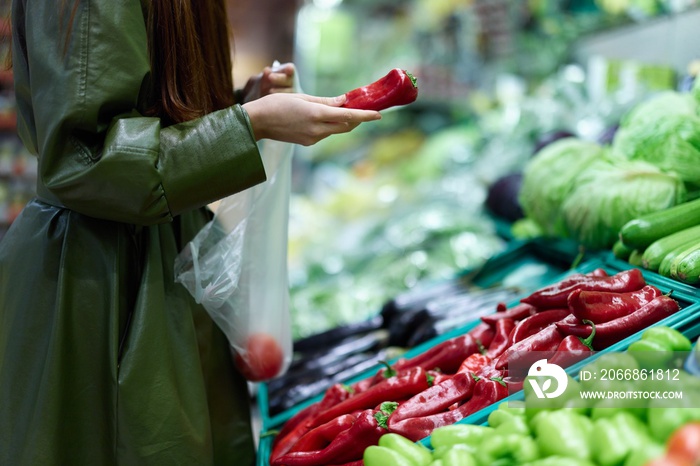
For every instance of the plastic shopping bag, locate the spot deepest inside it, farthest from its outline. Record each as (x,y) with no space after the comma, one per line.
(236,267)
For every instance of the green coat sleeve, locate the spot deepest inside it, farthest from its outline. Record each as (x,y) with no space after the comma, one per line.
(78,109)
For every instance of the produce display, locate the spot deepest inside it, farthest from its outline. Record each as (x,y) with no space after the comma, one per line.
(462,375)
(570,430)
(666,241)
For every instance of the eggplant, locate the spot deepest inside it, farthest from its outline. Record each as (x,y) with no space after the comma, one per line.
(502,197)
(331,337)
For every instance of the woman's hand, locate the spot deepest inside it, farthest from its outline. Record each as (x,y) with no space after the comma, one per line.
(303,119)
(272,80)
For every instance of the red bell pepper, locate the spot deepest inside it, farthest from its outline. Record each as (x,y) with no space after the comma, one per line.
(320,437)
(615,330)
(603,306)
(486,392)
(436,398)
(573,349)
(556,295)
(403,385)
(483,334)
(533,324)
(398,87)
(501,340)
(347,446)
(518,312)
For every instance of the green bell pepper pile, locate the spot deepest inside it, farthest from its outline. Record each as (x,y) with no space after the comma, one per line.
(567,431)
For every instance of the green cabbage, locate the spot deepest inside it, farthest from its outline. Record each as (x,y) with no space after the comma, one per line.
(661,105)
(672,143)
(610,192)
(549,178)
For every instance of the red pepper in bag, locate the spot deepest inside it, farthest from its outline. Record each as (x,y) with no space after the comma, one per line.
(404,385)
(556,295)
(320,437)
(486,392)
(615,330)
(501,340)
(436,398)
(573,349)
(603,306)
(347,446)
(398,87)
(537,322)
(518,312)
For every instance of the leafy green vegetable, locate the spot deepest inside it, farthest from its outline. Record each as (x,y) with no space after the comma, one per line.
(611,192)
(551,176)
(661,105)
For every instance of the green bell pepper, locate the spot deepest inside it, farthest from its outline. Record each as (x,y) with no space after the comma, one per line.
(610,407)
(375,455)
(563,433)
(616,437)
(643,454)
(664,417)
(509,419)
(507,449)
(600,374)
(416,453)
(455,434)
(458,457)
(559,461)
(570,400)
(661,347)
(441,451)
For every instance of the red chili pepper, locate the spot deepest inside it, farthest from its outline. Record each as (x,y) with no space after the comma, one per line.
(351,463)
(483,335)
(615,330)
(518,312)
(398,87)
(485,393)
(537,322)
(501,341)
(446,356)
(435,399)
(603,306)
(555,296)
(297,425)
(347,446)
(545,341)
(405,384)
(474,363)
(598,273)
(573,349)
(320,437)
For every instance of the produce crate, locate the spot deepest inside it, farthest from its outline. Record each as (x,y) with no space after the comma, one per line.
(528,265)
(685,320)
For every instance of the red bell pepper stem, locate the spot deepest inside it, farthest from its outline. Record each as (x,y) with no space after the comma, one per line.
(604,306)
(486,392)
(405,384)
(501,340)
(518,312)
(573,349)
(533,324)
(615,330)
(320,437)
(483,334)
(556,295)
(545,341)
(436,398)
(397,87)
(347,446)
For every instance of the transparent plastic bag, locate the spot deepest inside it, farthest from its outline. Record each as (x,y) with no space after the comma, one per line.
(236,267)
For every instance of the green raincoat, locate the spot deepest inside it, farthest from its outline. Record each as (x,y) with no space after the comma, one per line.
(104,359)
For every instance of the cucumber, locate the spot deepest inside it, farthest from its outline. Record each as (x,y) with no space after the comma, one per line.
(640,232)
(665,265)
(621,251)
(635,258)
(686,266)
(655,253)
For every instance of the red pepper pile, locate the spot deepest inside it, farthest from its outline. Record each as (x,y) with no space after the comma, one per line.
(465,374)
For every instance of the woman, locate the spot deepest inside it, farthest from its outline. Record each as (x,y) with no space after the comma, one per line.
(129,106)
